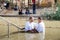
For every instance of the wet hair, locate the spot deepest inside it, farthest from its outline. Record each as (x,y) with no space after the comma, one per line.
(40,18)
(31,18)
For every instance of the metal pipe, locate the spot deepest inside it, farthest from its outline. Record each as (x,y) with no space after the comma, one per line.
(8,30)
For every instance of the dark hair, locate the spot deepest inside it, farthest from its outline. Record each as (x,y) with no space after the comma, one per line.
(30,17)
(40,18)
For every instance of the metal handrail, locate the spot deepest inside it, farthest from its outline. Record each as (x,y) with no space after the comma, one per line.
(11,24)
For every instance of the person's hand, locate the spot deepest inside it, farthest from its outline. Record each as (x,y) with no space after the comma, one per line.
(22,28)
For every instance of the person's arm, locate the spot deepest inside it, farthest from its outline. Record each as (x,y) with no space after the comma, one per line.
(22,28)
(26,27)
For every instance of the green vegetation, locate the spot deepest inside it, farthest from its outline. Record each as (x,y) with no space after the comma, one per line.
(54,16)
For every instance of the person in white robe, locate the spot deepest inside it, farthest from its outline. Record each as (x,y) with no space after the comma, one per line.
(29,26)
(40,27)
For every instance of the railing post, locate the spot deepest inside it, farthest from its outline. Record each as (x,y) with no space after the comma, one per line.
(8,30)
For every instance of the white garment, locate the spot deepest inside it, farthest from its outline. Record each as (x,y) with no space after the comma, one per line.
(40,27)
(29,26)
(5,4)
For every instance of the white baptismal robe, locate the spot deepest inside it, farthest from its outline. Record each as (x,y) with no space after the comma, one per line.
(40,27)
(29,26)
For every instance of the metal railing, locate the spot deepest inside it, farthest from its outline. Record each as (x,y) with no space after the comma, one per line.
(9,22)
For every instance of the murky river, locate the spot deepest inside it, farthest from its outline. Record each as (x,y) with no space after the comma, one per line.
(52,33)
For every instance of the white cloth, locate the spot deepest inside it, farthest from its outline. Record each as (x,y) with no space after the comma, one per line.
(40,27)
(5,4)
(29,26)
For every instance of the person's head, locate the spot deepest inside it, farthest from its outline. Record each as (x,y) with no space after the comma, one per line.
(39,19)
(31,19)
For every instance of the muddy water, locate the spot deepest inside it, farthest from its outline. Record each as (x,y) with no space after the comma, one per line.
(52,33)
(22,36)
(15,33)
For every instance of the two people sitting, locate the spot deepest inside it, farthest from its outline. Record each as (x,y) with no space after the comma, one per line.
(27,12)
(31,26)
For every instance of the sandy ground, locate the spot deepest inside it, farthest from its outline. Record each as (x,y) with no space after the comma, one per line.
(52,29)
